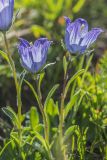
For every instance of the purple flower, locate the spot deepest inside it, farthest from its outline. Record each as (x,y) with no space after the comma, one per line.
(6,14)
(77,36)
(33,57)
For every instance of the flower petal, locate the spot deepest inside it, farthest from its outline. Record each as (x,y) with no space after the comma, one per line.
(3,4)
(6,14)
(24,50)
(37,53)
(40,41)
(91,37)
(24,42)
(41,48)
(26,58)
(75,33)
(68,21)
(83,26)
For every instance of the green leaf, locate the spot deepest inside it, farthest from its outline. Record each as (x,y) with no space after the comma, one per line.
(52,108)
(41,78)
(22,76)
(86,69)
(11,114)
(71,103)
(5,70)
(8,151)
(4,148)
(71,80)
(38,156)
(54,8)
(48,65)
(69,132)
(75,109)
(65,64)
(38,31)
(50,94)
(15,137)
(68,4)
(34,117)
(4,55)
(78,6)
(33,90)
(42,140)
(39,127)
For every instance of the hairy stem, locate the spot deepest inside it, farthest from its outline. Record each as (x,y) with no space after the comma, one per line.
(62,107)
(12,66)
(45,120)
(43,113)
(61,125)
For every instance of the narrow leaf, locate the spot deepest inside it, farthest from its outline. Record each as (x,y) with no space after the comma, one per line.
(52,108)
(11,114)
(4,56)
(42,140)
(51,93)
(71,80)
(69,132)
(65,64)
(4,148)
(34,117)
(71,103)
(33,90)
(41,78)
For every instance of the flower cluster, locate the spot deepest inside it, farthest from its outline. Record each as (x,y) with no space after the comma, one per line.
(33,57)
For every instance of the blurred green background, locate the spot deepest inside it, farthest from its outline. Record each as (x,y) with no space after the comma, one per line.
(36,18)
(39,18)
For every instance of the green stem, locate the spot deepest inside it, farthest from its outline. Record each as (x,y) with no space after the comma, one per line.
(105,152)
(43,113)
(45,121)
(62,107)
(12,66)
(86,69)
(61,125)
(11,61)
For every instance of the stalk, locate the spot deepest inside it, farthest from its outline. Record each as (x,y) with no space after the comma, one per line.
(61,124)
(62,106)
(12,66)
(45,121)
(42,112)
